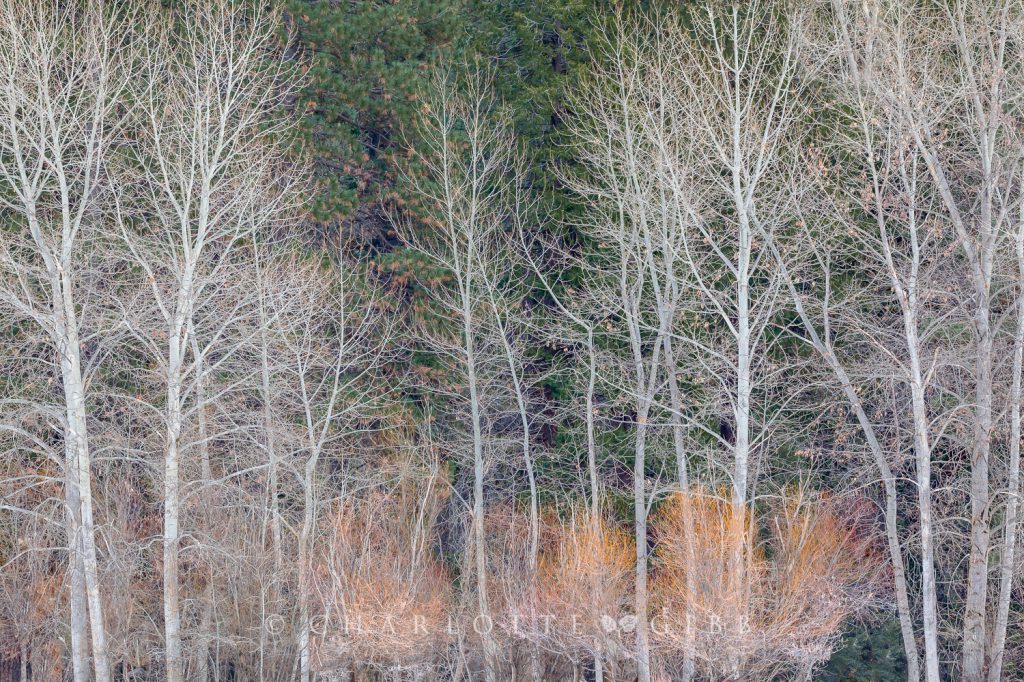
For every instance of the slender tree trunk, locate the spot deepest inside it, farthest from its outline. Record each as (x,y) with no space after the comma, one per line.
(77,435)
(977,562)
(922,451)
(1007,555)
(206,618)
(824,348)
(742,457)
(101,670)
(643,657)
(645,390)
(909,305)
(479,535)
(595,492)
(305,617)
(171,535)
(928,586)
(268,431)
(741,464)
(683,480)
(76,568)
(524,423)
(532,481)
(982,249)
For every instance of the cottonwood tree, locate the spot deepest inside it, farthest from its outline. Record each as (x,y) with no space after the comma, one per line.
(609,139)
(744,56)
(900,245)
(466,155)
(212,175)
(325,326)
(933,199)
(972,152)
(65,70)
(687,182)
(503,287)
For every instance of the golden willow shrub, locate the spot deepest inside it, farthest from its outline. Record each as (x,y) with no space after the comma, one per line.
(585,583)
(384,598)
(571,602)
(737,591)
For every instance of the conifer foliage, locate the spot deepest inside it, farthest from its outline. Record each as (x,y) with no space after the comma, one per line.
(519,339)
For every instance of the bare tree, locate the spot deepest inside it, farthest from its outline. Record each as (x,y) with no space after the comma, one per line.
(803,232)
(332,344)
(684,132)
(609,134)
(65,68)
(467,152)
(941,165)
(1008,551)
(213,174)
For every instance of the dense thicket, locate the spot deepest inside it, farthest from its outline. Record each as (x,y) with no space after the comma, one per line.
(512,339)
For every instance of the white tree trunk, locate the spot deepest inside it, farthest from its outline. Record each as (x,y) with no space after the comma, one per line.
(268,421)
(306,532)
(922,451)
(479,535)
(174,664)
(683,480)
(1007,555)
(76,434)
(908,298)
(76,568)
(824,348)
(643,656)
(595,492)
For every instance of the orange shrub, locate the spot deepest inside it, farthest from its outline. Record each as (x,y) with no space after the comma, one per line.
(584,586)
(384,598)
(757,596)
(826,567)
(709,576)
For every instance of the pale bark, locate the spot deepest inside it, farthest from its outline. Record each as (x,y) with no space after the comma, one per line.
(270,441)
(977,199)
(202,653)
(305,533)
(503,328)
(1008,548)
(212,165)
(479,537)
(76,572)
(470,200)
(683,481)
(907,291)
(62,83)
(173,662)
(823,346)
(74,391)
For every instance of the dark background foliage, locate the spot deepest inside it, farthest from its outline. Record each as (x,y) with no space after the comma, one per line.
(368,64)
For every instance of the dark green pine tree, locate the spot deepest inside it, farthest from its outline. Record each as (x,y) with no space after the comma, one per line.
(367,62)
(539,48)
